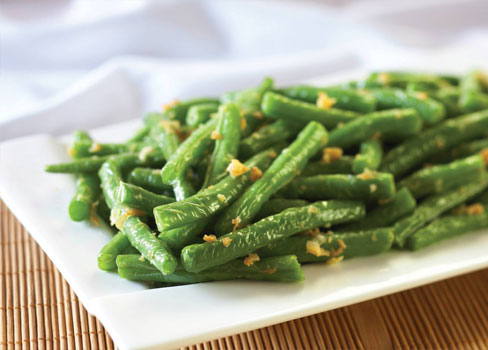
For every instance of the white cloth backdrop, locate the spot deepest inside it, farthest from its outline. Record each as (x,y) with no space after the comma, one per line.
(52,52)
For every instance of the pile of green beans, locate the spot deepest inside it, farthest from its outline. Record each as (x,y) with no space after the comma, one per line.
(254,183)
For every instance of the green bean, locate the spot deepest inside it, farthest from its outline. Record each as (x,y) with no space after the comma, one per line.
(165,134)
(86,195)
(249,101)
(402,79)
(431,142)
(210,200)
(390,124)
(139,135)
(266,137)
(90,148)
(421,87)
(116,246)
(110,178)
(472,98)
(446,227)
(277,269)
(187,154)
(149,179)
(198,257)
(386,214)
(177,110)
(227,136)
(353,100)
(277,205)
(343,165)
(369,156)
(433,206)
(462,150)
(151,248)
(281,107)
(331,247)
(440,178)
(364,186)
(429,110)
(283,169)
(93,164)
(181,236)
(449,97)
(138,198)
(200,114)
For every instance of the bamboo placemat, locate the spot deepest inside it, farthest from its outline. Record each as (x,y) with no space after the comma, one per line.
(38,310)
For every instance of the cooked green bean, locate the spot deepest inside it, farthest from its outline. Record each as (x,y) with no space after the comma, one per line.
(281,107)
(86,195)
(386,214)
(354,100)
(181,236)
(433,206)
(177,110)
(93,164)
(149,179)
(472,98)
(227,136)
(390,124)
(267,136)
(439,178)
(91,148)
(118,245)
(283,169)
(200,114)
(462,150)
(139,135)
(276,269)
(369,156)
(429,110)
(431,142)
(446,227)
(213,199)
(277,205)
(402,79)
(187,155)
(151,248)
(249,101)
(343,165)
(364,186)
(198,257)
(138,198)
(331,246)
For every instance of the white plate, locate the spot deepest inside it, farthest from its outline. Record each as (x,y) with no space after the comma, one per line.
(166,318)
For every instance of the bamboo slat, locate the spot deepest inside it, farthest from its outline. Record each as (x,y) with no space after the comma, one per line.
(39,310)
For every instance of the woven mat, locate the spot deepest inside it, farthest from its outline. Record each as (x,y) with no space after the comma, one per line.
(38,309)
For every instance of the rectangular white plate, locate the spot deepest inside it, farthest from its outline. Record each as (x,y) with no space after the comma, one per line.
(167,318)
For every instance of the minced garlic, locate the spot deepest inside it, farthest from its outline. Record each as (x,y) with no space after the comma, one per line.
(170,104)
(313,247)
(226,241)
(330,154)
(251,259)
(256,173)
(334,260)
(484,155)
(243,123)
(118,216)
(366,175)
(383,78)
(236,222)
(324,101)
(221,197)
(236,168)
(372,188)
(145,151)
(216,136)
(95,147)
(209,238)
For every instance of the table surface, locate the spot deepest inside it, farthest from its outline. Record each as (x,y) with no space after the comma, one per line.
(39,310)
